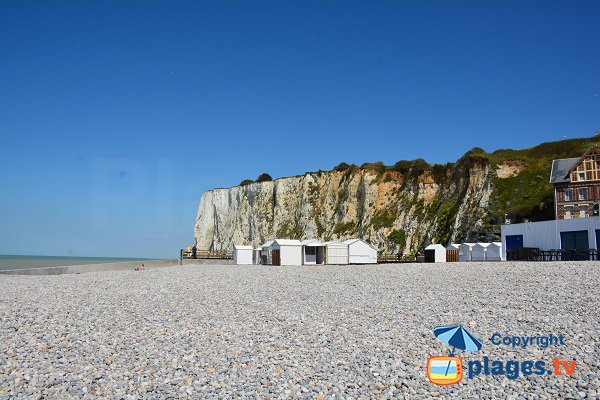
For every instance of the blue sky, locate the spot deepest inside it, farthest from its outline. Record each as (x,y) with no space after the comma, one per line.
(115,116)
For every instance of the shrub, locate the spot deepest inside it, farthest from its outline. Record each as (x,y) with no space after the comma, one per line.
(290,230)
(264,177)
(439,172)
(352,169)
(341,167)
(398,236)
(418,167)
(402,166)
(246,182)
(377,166)
(344,227)
(476,150)
(382,219)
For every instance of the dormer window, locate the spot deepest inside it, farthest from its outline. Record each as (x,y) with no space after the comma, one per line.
(581,176)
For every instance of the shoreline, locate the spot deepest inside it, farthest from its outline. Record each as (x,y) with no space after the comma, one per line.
(84,268)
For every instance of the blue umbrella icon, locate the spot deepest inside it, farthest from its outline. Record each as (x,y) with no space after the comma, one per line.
(457,337)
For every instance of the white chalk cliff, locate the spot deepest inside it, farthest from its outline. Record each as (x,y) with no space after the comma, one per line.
(393,210)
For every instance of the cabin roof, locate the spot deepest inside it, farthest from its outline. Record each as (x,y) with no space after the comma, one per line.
(312,243)
(242,247)
(287,242)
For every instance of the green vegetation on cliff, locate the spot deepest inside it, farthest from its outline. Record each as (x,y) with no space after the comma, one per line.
(520,180)
(412,203)
(529,194)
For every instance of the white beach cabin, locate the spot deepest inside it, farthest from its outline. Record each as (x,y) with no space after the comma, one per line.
(478,252)
(265,253)
(242,255)
(494,252)
(435,253)
(464,252)
(337,253)
(360,252)
(313,252)
(286,252)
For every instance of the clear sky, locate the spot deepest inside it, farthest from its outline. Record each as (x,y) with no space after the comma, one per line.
(115,116)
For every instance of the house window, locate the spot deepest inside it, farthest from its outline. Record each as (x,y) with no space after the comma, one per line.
(582,211)
(583,194)
(588,176)
(568,212)
(568,195)
(581,176)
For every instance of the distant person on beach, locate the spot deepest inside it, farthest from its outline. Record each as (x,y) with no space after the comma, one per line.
(194,252)
(140,268)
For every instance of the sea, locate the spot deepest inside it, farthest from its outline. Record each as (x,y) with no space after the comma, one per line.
(21,262)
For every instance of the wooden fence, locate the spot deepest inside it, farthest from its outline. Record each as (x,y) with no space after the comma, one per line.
(394,258)
(207,254)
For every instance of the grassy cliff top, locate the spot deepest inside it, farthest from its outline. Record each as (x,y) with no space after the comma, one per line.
(544,152)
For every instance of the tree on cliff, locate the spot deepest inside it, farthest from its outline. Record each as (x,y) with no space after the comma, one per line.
(264,177)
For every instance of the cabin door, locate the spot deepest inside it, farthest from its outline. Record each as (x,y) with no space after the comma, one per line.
(451,255)
(276,257)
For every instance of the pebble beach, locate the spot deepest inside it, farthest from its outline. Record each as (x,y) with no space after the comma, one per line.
(343,332)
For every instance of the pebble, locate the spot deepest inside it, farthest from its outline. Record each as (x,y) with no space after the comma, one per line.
(291,332)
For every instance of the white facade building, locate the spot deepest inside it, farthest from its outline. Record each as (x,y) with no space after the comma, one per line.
(435,253)
(242,255)
(360,252)
(578,233)
(336,253)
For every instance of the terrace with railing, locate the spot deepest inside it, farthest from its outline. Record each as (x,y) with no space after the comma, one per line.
(535,254)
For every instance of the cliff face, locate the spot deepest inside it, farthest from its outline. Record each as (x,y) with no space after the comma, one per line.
(390,209)
(400,207)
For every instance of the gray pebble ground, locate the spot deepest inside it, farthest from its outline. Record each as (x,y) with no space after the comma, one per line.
(292,332)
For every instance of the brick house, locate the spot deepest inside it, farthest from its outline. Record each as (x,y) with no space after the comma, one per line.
(577,185)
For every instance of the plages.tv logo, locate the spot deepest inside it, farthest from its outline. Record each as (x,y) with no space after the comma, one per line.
(448,370)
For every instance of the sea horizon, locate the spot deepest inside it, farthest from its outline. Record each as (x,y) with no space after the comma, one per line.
(22,261)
